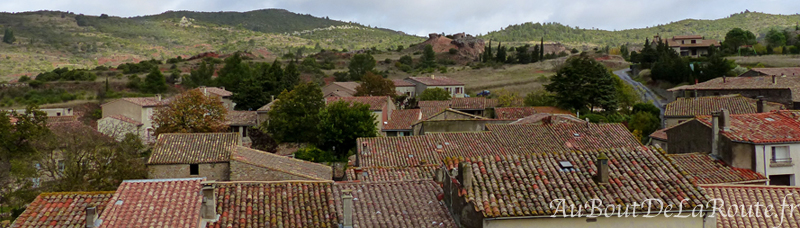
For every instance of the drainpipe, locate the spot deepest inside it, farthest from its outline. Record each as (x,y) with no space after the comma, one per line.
(764,153)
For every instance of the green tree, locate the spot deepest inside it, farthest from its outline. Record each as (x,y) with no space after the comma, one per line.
(8,36)
(737,37)
(155,82)
(202,76)
(775,38)
(375,85)
(434,94)
(251,95)
(233,73)
(17,150)
(523,55)
(623,50)
(583,83)
(540,97)
(428,59)
(341,123)
(291,76)
(644,122)
(647,107)
(406,60)
(310,65)
(295,114)
(501,53)
(191,112)
(626,95)
(360,64)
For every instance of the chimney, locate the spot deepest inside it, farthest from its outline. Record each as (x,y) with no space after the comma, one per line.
(724,79)
(774,79)
(272,98)
(715,132)
(432,77)
(602,169)
(158,97)
(725,120)
(587,122)
(760,104)
(208,210)
(465,176)
(91,217)
(347,208)
(205,91)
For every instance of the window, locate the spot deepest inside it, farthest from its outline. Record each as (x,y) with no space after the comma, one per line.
(785,180)
(244,132)
(194,169)
(780,154)
(694,41)
(61,166)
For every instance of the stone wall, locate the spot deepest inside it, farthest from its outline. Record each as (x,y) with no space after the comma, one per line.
(689,138)
(245,172)
(211,171)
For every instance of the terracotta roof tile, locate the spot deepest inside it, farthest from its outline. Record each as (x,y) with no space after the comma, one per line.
(740,83)
(708,170)
(778,71)
(402,83)
(435,81)
(155,203)
(267,106)
(548,118)
(395,204)
(770,127)
(310,170)
(508,186)
(747,196)
(367,174)
(126,119)
(216,91)
(452,114)
(403,119)
(500,139)
(660,134)
(275,204)
(695,106)
(241,118)
(146,101)
(514,113)
(469,103)
(193,148)
(348,85)
(61,209)
(375,103)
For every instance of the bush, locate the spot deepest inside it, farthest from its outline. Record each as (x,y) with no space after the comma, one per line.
(35,84)
(314,154)
(24,79)
(453,51)
(595,118)
(387,60)
(574,51)
(406,60)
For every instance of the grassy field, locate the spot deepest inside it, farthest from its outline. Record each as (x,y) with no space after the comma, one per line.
(767,60)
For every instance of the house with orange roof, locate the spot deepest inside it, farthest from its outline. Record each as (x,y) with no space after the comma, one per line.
(691,45)
(767,143)
(557,189)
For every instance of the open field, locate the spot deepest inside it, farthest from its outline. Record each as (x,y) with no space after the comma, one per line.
(768,60)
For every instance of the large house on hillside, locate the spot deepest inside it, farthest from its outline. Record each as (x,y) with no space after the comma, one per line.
(455,88)
(691,45)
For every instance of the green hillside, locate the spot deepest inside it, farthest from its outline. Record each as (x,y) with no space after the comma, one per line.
(758,23)
(49,39)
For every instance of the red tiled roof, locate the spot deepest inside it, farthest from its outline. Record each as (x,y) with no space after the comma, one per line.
(395,204)
(660,134)
(155,203)
(468,103)
(146,101)
(509,186)
(676,42)
(375,103)
(452,114)
(424,172)
(695,106)
(62,209)
(348,85)
(241,118)
(296,167)
(193,148)
(275,204)
(61,119)
(778,71)
(563,137)
(402,83)
(741,83)
(708,170)
(514,113)
(547,118)
(500,139)
(770,127)
(126,119)
(748,196)
(403,119)
(687,37)
(435,81)
(216,91)
(267,106)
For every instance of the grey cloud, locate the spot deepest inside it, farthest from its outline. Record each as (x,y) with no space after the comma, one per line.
(424,16)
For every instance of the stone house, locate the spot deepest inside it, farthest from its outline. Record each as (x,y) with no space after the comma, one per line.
(692,45)
(539,190)
(405,88)
(220,156)
(451,120)
(455,88)
(780,71)
(218,92)
(130,115)
(381,107)
(684,109)
(766,143)
(401,121)
(781,89)
(242,122)
(340,89)
(479,106)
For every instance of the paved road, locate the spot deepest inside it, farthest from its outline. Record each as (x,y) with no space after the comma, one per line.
(645,93)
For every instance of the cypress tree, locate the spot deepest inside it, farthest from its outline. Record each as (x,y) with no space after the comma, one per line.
(541,49)
(8,36)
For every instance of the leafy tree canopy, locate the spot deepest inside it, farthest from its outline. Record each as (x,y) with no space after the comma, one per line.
(583,83)
(155,82)
(737,37)
(360,64)
(434,94)
(191,112)
(375,85)
(295,114)
(341,123)
(540,97)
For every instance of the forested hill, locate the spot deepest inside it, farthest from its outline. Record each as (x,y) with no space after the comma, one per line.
(758,23)
(265,20)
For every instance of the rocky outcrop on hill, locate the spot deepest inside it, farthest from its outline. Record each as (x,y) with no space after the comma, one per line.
(466,44)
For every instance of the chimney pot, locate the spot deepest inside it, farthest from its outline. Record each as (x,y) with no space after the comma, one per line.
(208,210)
(347,208)
(602,169)
(465,174)
(715,132)
(91,217)
(725,120)
(774,79)
(760,104)
(432,77)
(158,97)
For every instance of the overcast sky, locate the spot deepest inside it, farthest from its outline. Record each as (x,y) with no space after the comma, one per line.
(430,16)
